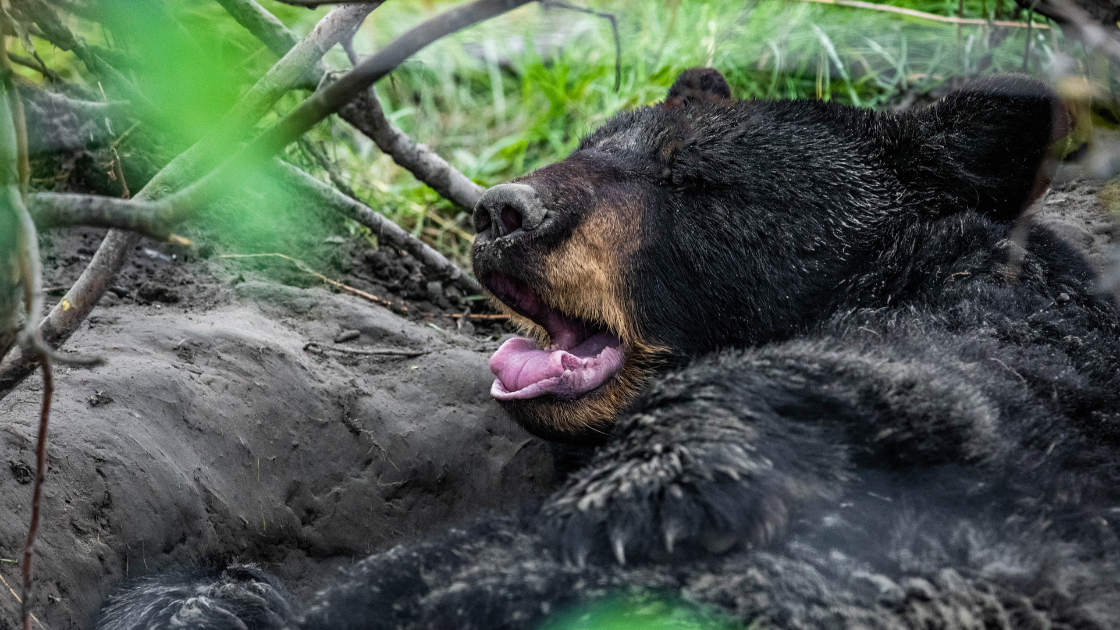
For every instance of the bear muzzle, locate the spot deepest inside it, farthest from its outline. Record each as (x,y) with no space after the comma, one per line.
(583,356)
(506,210)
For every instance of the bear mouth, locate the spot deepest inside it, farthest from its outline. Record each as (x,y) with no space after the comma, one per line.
(582,358)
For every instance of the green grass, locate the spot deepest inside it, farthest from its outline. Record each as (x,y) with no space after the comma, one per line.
(516,93)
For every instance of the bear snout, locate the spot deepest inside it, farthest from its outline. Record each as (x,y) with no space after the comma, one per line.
(507,209)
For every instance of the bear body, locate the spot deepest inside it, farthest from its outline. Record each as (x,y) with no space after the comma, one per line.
(821,378)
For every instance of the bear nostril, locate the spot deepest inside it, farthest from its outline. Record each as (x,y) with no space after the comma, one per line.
(508,208)
(481,220)
(511,219)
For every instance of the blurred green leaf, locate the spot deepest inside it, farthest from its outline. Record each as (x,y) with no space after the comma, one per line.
(639,613)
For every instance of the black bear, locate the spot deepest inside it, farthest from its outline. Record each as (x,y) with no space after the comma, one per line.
(822,382)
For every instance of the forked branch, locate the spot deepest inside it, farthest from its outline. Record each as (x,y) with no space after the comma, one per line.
(336,95)
(366,115)
(115,249)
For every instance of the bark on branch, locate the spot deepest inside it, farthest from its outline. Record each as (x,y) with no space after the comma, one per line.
(334,96)
(53,210)
(386,231)
(366,115)
(262,24)
(89,109)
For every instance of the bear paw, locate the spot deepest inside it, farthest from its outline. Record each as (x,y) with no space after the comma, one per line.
(655,501)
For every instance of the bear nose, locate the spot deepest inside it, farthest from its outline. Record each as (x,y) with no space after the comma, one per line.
(507,208)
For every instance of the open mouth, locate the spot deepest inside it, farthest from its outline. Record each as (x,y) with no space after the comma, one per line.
(583,355)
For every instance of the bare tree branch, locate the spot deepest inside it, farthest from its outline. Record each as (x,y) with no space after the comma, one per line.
(65,317)
(334,96)
(365,113)
(53,210)
(299,64)
(274,35)
(386,230)
(90,109)
(262,24)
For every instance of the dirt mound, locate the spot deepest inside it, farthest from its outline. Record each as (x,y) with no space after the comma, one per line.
(235,427)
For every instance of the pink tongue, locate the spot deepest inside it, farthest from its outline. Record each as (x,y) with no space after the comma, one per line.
(525,372)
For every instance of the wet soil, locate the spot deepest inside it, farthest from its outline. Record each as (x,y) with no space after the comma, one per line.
(241,418)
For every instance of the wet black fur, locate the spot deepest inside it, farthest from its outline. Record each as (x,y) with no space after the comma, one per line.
(888,415)
(241,597)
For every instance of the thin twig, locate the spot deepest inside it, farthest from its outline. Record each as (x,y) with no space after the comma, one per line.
(19,599)
(118,168)
(481,316)
(386,230)
(373,352)
(53,210)
(334,96)
(37,491)
(36,64)
(857,4)
(610,17)
(345,288)
(320,156)
(14,177)
(366,115)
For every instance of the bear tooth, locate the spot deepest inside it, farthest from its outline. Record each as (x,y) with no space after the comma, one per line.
(619,550)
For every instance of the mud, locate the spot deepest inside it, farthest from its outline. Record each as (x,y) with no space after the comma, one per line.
(229,424)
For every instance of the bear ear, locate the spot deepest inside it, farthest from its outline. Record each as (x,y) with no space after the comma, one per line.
(698,85)
(983,147)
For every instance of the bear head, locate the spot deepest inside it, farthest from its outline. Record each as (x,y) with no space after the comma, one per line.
(702,223)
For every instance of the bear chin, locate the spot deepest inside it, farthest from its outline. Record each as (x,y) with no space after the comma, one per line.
(583,421)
